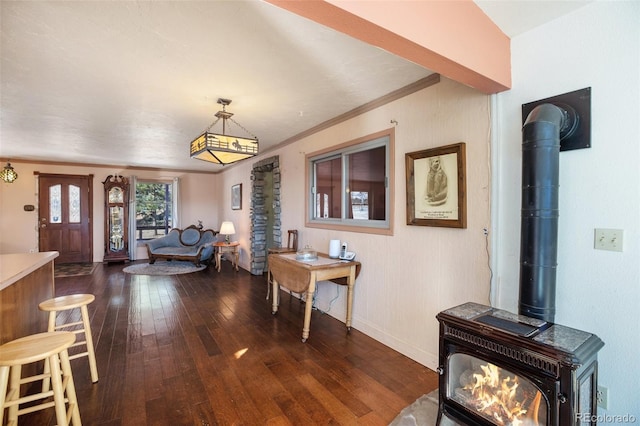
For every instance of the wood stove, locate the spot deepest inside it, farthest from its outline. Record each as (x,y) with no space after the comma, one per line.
(499,368)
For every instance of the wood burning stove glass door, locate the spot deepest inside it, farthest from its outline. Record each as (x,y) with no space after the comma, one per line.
(494,394)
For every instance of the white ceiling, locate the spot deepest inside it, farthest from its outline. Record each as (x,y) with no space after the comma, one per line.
(130,83)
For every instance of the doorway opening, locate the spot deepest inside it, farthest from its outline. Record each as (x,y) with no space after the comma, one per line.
(265,211)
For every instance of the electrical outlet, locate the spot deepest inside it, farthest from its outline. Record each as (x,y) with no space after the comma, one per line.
(485,231)
(608,239)
(602,396)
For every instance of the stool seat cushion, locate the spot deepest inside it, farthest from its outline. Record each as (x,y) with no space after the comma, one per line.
(35,347)
(70,301)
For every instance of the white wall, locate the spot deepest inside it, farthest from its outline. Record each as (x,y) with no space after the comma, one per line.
(597,46)
(409,277)
(19,229)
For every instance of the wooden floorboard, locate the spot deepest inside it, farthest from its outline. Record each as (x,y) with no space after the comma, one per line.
(204,349)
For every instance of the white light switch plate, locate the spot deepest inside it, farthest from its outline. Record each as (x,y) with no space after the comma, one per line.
(608,239)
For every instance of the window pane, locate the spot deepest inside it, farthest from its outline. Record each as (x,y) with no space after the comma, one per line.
(153,209)
(350,187)
(74,204)
(367,173)
(359,205)
(328,188)
(55,204)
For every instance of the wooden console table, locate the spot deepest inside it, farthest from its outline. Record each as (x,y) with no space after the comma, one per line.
(302,276)
(231,248)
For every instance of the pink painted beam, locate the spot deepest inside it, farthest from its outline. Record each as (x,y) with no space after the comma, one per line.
(453,38)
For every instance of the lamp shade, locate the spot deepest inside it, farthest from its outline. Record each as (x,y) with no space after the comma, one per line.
(221,148)
(227,228)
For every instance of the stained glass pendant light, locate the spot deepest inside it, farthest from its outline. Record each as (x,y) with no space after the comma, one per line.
(221,148)
(8,174)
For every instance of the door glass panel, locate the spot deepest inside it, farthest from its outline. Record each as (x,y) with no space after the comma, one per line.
(55,204)
(495,393)
(74,204)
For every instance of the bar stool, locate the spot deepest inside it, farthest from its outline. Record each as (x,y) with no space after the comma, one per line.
(64,303)
(51,347)
(292,247)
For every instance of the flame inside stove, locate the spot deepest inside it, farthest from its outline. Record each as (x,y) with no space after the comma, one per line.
(496,394)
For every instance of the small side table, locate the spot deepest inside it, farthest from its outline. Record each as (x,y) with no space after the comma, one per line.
(222,247)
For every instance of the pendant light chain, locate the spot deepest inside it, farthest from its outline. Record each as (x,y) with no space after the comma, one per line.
(211,125)
(242,127)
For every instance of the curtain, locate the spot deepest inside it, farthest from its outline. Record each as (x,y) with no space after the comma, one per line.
(133,241)
(175,215)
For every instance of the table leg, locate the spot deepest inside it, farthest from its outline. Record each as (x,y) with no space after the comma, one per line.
(268,282)
(350,282)
(237,257)
(276,295)
(219,259)
(308,307)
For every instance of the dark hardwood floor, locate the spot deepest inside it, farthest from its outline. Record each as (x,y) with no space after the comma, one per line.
(204,349)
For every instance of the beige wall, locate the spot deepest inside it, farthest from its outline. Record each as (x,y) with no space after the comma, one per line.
(18,228)
(409,277)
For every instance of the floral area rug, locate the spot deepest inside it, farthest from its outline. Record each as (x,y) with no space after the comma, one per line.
(173,267)
(73,269)
(423,412)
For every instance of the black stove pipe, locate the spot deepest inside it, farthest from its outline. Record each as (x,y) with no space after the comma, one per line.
(545,125)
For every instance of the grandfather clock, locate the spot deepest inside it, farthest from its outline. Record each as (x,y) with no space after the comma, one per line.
(116,219)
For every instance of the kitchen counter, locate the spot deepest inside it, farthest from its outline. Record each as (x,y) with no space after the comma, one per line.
(14,266)
(26,279)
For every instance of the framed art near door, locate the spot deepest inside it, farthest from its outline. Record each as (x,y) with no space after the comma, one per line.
(436,187)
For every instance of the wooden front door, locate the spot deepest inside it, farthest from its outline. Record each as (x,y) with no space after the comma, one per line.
(65,216)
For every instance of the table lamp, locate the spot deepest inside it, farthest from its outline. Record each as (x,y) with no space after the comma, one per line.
(227,229)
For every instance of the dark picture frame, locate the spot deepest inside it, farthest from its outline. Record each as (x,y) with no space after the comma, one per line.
(436,186)
(236,197)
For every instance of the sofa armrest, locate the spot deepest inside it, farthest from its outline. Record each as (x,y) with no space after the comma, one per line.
(206,251)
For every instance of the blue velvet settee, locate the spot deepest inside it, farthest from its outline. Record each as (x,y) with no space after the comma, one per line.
(190,244)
